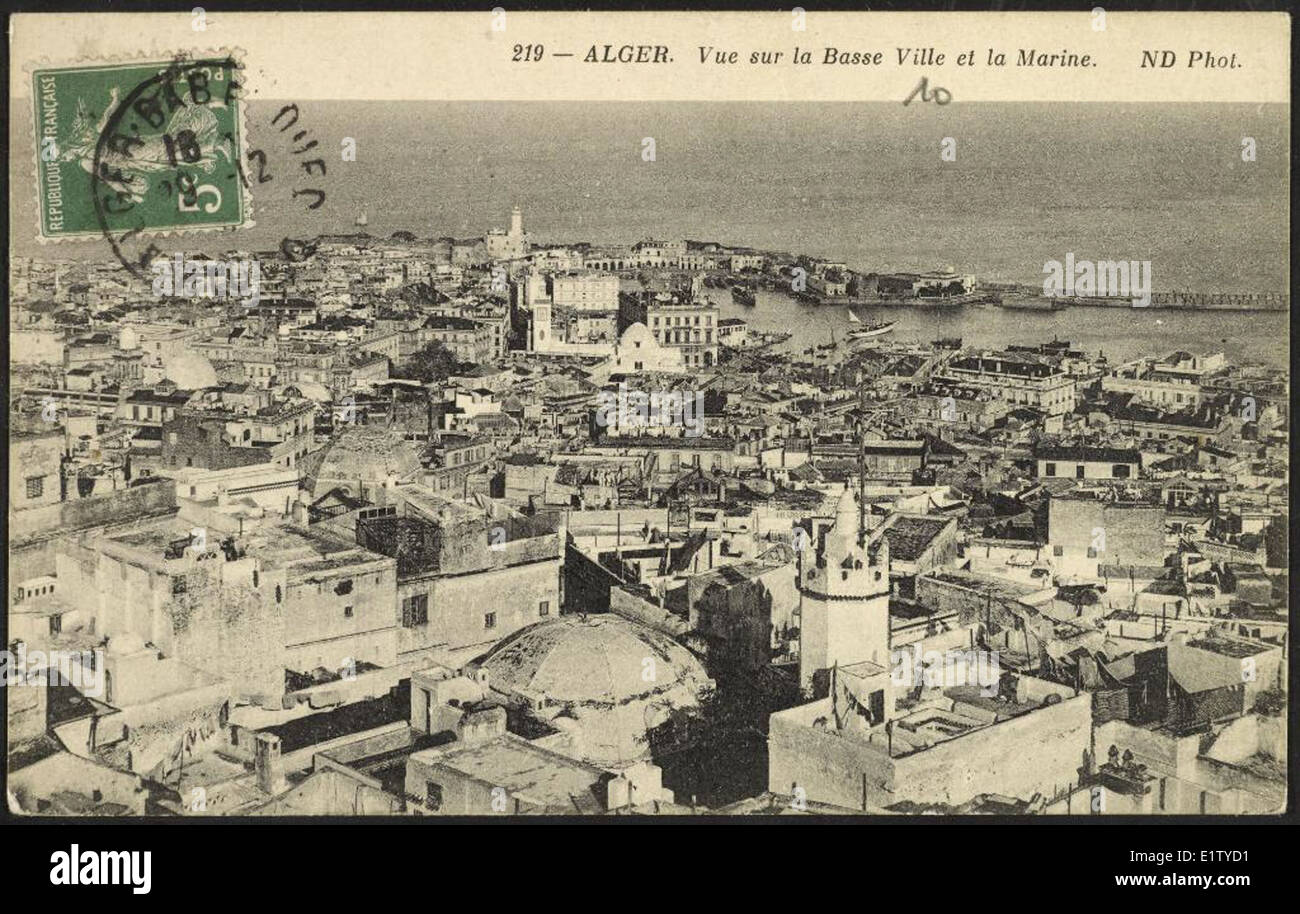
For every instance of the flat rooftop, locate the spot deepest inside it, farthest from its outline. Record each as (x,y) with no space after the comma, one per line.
(524,770)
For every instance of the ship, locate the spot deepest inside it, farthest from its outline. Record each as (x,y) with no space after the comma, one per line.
(743,295)
(1034,302)
(362,220)
(863,331)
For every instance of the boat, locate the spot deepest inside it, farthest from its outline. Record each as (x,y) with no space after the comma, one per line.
(743,295)
(866,331)
(362,220)
(1034,302)
(767,338)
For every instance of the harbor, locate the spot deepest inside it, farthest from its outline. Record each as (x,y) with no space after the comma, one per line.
(1122,333)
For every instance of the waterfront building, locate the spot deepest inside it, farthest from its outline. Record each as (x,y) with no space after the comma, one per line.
(1017,378)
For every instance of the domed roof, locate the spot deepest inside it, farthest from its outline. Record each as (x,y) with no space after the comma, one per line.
(190,371)
(636,331)
(601,659)
(371,453)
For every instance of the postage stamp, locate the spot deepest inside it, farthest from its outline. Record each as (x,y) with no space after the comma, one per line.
(141,148)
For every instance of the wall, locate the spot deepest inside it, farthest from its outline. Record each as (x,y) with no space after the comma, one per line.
(318,631)
(458,604)
(221,624)
(1036,753)
(830,768)
(1132,535)
(113,507)
(35,456)
(630,606)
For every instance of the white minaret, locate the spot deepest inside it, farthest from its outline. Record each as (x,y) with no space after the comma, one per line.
(843,600)
(516,223)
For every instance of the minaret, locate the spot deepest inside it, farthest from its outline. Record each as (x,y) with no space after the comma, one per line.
(516,223)
(844,599)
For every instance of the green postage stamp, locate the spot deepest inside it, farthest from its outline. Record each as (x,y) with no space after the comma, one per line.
(135,149)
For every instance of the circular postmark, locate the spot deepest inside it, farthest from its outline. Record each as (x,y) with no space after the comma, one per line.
(169,158)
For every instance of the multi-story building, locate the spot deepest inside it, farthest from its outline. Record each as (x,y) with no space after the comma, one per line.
(1172,382)
(652,253)
(586,291)
(469,340)
(1087,463)
(1017,378)
(465,582)
(282,433)
(677,321)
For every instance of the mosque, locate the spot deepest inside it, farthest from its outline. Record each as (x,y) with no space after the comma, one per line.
(604,680)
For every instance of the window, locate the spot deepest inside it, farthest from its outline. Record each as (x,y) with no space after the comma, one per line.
(1092,552)
(347,612)
(1058,551)
(1078,471)
(544,608)
(35,486)
(415,610)
(343,587)
(490,620)
(1119,471)
(178,584)
(432,795)
(1049,469)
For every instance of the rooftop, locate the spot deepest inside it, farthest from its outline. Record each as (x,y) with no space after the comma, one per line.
(525,771)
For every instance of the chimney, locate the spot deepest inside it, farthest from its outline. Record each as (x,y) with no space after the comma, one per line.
(618,793)
(267,764)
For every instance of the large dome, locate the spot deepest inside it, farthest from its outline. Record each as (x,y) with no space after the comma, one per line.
(601,659)
(371,453)
(190,371)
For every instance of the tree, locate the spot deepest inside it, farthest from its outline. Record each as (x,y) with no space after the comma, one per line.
(432,364)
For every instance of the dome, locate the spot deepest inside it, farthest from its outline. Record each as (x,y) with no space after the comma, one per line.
(607,682)
(637,333)
(371,453)
(601,659)
(190,371)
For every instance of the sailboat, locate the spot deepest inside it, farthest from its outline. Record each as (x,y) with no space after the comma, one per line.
(362,220)
(866,331)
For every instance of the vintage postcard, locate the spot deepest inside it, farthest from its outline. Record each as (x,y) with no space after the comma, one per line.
(802,413)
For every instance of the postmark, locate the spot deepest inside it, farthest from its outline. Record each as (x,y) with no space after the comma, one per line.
(130,151)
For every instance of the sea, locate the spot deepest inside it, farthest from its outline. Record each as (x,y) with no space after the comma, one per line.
(861,183)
